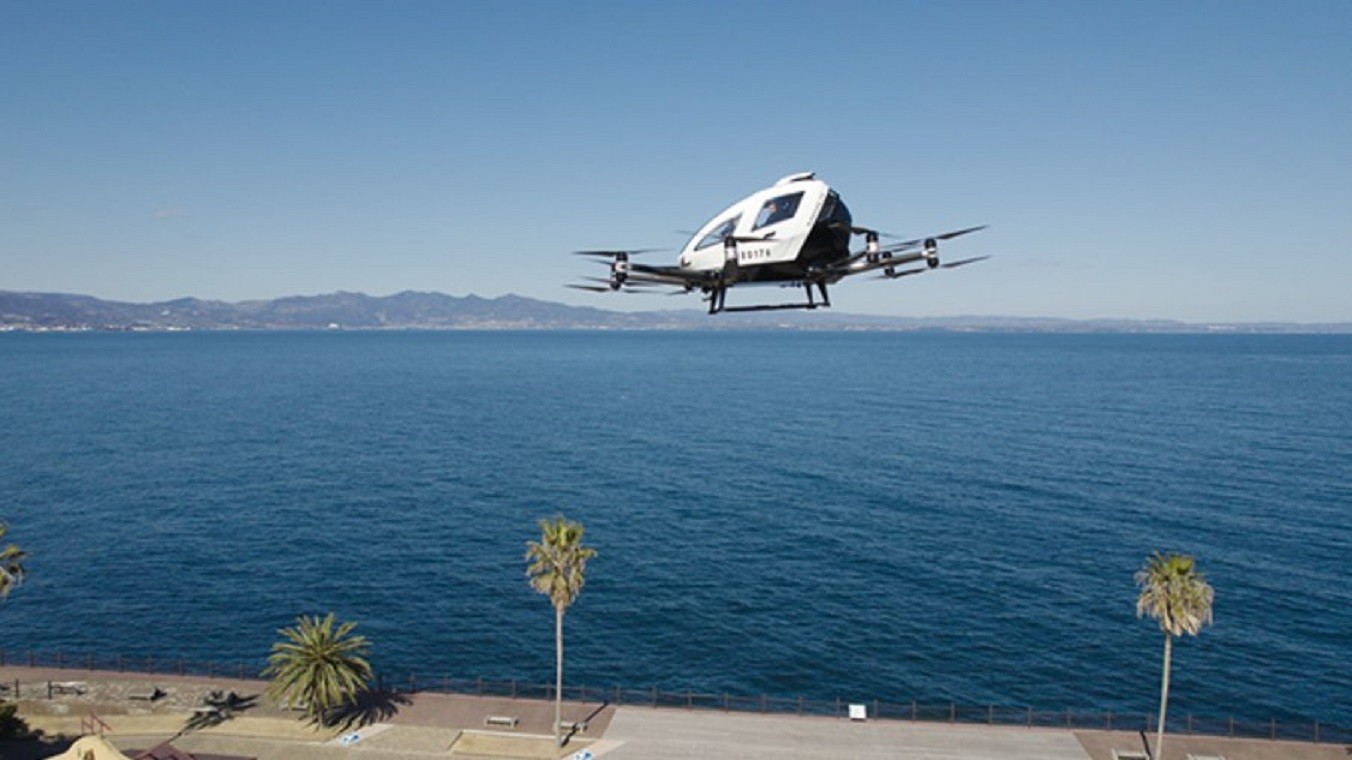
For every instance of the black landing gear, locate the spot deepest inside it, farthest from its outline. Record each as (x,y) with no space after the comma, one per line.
(718,298)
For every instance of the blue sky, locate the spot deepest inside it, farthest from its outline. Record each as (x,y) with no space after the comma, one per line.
(1153,160)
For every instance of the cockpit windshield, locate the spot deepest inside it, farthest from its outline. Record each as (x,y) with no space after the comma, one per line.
(834,211)
(719,232)
(778,209)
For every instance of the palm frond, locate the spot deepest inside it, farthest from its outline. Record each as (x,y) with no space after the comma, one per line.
(318,666)
(11,565)
(558,561)
(1174,593)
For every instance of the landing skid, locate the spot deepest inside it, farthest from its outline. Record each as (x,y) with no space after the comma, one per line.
(719,296)
(772,307)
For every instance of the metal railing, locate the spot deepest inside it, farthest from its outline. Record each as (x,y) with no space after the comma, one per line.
(914,710)
(93,724)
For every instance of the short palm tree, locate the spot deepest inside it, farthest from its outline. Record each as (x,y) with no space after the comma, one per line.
(557,569)
(11,565)
(318,666)
(1175,594)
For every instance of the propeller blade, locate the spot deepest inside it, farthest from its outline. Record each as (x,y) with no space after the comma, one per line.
(902,246)
(909,244)
(951,235)
(629,286)
(902,273)
(613,253)
(853,267)
(860,230)
(636,280)
(963,262)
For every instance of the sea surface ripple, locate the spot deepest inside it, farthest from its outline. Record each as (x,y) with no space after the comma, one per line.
(864,515)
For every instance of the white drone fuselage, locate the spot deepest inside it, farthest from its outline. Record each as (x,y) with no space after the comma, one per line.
(772,229)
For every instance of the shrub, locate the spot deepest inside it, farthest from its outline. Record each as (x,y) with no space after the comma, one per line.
(11,725)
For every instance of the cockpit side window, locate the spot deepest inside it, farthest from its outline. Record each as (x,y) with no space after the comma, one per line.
(717,234)
(778,209)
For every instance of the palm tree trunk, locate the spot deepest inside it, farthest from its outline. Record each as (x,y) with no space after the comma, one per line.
(1164,698)
(558,676)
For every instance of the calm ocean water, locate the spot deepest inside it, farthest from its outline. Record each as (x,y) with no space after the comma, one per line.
(890,516)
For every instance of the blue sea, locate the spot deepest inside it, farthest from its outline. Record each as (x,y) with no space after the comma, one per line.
(887,516)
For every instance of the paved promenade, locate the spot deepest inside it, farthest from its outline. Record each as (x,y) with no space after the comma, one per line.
(431,725)
(641,733)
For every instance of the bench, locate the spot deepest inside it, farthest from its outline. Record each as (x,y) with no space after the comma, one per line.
(69,687)
(146,695)
(206,711)
(573,726)
(1129,754)
(502,721)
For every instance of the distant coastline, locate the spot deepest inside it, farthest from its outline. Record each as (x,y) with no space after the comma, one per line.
(410,310)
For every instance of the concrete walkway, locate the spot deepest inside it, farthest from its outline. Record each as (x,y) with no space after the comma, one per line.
(638,733)
(451,726)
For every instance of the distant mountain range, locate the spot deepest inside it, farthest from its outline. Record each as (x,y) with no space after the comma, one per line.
(407,310)
(436,311)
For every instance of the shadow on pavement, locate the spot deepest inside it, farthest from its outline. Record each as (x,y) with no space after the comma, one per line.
(217,708)
(369,707)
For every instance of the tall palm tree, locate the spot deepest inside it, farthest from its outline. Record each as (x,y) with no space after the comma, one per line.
(317,666)
(557,569)
(11,565)
(1178,596)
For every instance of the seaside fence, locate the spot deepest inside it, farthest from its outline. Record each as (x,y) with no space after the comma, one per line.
(914,710)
